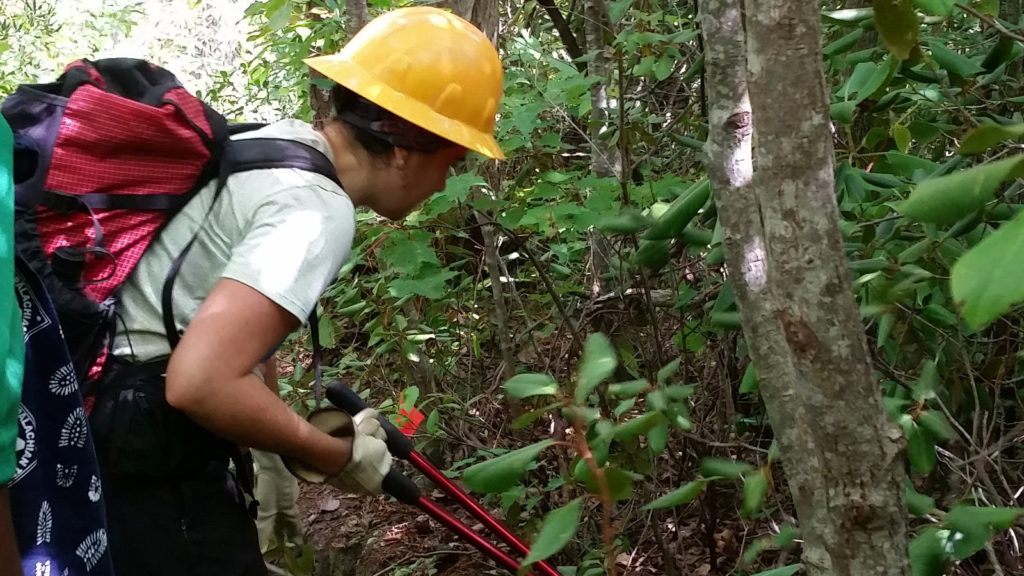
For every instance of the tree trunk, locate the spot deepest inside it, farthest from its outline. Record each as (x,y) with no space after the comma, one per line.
(320,98)
(843,457)
(606,161)
(356,15)
(484,15)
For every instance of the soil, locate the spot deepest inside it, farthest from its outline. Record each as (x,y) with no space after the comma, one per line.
(369,536)
(378,536)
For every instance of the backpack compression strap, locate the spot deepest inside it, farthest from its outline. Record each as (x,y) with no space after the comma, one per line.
(243,156)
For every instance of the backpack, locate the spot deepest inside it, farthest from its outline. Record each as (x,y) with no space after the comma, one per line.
(104,158)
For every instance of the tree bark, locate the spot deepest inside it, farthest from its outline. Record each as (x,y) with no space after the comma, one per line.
(606,161)
(842,455)
(484,15)
(572,47)
(320,100)
(356,15)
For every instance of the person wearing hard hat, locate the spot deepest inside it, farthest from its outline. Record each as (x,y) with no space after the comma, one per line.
(415,90)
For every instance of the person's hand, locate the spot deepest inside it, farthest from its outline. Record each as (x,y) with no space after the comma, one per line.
(370,459)
(367,421)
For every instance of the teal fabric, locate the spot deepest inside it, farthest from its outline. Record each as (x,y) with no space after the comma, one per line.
(12,341)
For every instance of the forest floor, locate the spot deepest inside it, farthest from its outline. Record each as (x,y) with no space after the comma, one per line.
(365,536)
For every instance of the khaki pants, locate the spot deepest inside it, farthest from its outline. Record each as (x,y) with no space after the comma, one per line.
(277,491)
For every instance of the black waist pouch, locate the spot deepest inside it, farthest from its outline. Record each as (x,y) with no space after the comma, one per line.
(138,433)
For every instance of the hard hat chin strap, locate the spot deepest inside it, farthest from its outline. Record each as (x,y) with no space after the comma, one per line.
(392,129)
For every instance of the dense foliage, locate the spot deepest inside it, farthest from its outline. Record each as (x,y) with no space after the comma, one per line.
(636,421)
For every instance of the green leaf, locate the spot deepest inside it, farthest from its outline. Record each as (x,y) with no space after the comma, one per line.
(325,331)
(987,7)
(597,364)
(652,254)
(637,426)
(656,400)
(620,482)
(947,199)
(429,285)
(722,468)
(920,446)
(952,62)
(408,253)
(663,68)
(915,251)
(748,385)
(501,473)
(842,112)
(936,424)
(280,13)
(456,191)
(885,328)
(843,44)
(925,385)
(919,504)
(432,422)
(667,371)
(557,530)
(624,406)
(680,496)
(626,389)
(849,15)
(974,526)
(936,7)
(681,212)
(987,135)
(784,571)
(629,221)
(989,278)
(755,486)
(680,392)
(901,135)
(896,21)
(526,385)
(657,437)
(524,420)
(928,552)
(617,9)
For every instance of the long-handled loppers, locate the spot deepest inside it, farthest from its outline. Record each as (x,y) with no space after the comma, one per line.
(405,490)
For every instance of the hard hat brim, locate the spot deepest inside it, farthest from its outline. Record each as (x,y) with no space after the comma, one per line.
(357,79)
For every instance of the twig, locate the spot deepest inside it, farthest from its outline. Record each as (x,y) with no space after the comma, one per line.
(996,568)
(425,555)
(991,22)
(603,491)
(541,271)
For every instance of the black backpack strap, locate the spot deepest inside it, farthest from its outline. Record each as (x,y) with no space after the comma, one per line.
(314,332)
(265,153)
(243,156)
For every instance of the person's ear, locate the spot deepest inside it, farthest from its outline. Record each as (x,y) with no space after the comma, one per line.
(400,157)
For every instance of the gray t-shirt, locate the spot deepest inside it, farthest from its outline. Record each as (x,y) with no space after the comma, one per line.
(283,232)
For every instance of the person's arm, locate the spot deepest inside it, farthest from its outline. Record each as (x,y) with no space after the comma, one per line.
(268,368)
(210,377)
(10,561)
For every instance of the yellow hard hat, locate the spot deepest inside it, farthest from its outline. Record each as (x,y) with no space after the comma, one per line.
(429,67)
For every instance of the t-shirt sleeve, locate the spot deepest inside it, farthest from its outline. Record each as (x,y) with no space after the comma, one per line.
(12,342)
(293,246)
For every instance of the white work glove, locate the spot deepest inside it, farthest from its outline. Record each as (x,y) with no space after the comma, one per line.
(370,461)
(367,421)
(277,491)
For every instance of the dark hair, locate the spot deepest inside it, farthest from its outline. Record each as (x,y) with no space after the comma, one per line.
(378,130)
